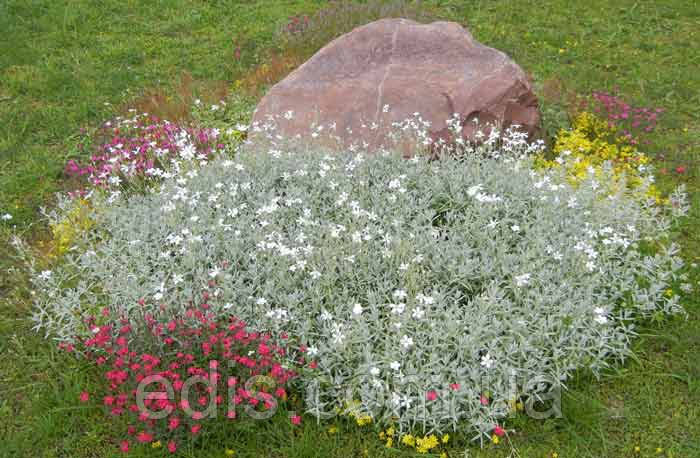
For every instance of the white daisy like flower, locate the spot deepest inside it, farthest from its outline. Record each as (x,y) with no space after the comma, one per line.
(45,275)
(214,272)
(418,313)
(601,319)
(522,280)
(515,228)
(312,351)
(406,342)
(487,361)
(357,309)
(374,371)
(260,301)
(400,294)
(315,274)
(397,309)
(177,279)
(395,365)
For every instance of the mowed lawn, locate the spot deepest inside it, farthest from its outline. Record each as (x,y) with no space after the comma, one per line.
(67,65)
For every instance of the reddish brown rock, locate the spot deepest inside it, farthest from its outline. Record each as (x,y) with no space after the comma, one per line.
(435,69)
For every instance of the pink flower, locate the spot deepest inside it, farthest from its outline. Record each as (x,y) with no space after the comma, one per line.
(231,414)
(498,431)
(296,420)
(455,386)
(484,400)
(84,396)
(195,428)
(431,395)
(172,447)
(124,446)
(173,423)
(680,169)
(144,437)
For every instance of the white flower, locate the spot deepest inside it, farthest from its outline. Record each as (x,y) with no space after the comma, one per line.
(177,279)
(515,228)
(326,316)
(374,371)
(403,266)
(6,217)
(395,365)
(397,309)
(214,272)
(406,342)
(601,319)
(261,301)
(394,184)
(315,274)
(400,294)
(338,335)
(312,351)
(471,192)
(357,309)
(601,315)
(487,361)
(418,313)
(45,275)
(158,296)
(522,280)
(278,314)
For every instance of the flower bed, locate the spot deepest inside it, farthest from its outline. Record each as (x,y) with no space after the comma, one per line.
(427,295)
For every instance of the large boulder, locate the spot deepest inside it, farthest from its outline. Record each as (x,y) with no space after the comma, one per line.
(386,71)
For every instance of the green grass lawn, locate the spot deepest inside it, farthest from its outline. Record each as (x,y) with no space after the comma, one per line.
(66,64)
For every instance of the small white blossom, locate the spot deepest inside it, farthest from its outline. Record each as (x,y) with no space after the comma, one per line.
(406,342)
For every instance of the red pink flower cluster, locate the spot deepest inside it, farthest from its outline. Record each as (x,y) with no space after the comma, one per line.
(129,148)
(633,121)
(169,378)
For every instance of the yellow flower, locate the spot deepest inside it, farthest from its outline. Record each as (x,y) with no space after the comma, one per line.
(443,455)
(230,452)
(382,436)
(423,445)
(659,450)
(391,431)
(555,455)
(389,442)
(495,439)
(637,449)
(409,440)
(155,444)
(445,438)
(333,429)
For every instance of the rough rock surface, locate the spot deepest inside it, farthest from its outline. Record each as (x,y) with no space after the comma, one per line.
(435,69)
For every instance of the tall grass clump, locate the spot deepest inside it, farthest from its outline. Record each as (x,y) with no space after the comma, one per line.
(428,294)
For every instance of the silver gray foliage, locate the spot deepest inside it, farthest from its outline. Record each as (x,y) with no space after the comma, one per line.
(466,276)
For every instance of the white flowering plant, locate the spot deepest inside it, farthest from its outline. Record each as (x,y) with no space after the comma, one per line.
(430,294)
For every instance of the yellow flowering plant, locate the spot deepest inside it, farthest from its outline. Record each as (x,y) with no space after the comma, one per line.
(75,221)
(589,145)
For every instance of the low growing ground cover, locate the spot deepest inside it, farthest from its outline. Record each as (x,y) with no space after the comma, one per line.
(649,403)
